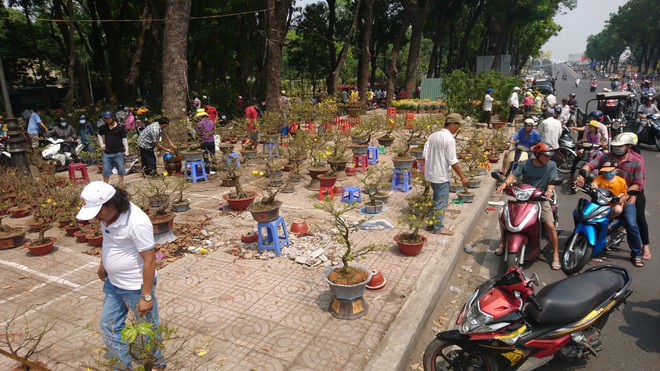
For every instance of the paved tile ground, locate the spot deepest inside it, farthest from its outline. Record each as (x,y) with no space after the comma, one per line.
(246,314)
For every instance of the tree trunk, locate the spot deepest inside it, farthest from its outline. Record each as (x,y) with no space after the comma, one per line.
(474,19)
(418,20)
(175,67)
(113,39)
(98,59)
(339,63)
(134,70)
(433,62)
(365,55)
(332,49)
(71,92)
(276,28)
(392,71)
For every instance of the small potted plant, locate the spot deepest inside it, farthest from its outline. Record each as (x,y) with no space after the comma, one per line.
(373,181)
(94,238)
(158,192)
(180,204)
(347,282)
(410,134)
(44,217)
(268,208)
(419,214)
(270,126)
(392,123)
(10,237)
(240,199)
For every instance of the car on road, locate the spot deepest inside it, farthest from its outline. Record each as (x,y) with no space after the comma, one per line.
(544,89)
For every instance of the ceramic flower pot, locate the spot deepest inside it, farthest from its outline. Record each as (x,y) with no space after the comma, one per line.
(250,237)
(70,230)
(41,248)
(409,248)
(377,281)
(13,238)
(299,227)
(81,236)
(239,204)
(262,213)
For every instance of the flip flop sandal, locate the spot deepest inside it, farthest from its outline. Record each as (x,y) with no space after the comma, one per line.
(597,260)
(556,265)
(638,262)
(499,251)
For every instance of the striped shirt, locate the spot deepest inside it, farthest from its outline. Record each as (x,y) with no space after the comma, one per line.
(631,170)
(150,136)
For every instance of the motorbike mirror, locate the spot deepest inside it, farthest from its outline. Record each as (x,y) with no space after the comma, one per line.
(535,279)
(556,182)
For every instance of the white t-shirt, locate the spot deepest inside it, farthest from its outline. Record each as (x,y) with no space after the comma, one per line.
(123,241)
(513,100)
(488,103)
(439,155)
(552,100)
(550,130)
(647,110)
(565,113)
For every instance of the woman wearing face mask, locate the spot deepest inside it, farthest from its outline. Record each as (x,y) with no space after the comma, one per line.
(63,131)
(631,169)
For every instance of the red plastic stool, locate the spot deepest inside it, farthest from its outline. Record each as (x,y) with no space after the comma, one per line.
(419,164)
(345,127)
(409,119)
(391,111)
(309,126)
(354,120)
(324,190)
(84,178)
(360,161)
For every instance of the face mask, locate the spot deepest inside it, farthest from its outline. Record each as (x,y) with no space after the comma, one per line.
(619,151)
(610,175)
(82,122)
(63,124)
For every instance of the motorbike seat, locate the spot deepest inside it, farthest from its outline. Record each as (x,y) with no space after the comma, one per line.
(573,298)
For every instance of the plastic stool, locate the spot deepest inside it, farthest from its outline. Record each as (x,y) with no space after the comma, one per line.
(401,180)
(309,126)
(391,111)
(271,147)
(360,161)
(191,166)
(236,159)
(354,120)
(372,155)
(323,190)
(410,118)
(351,194)
(273,239)
(345,127)
(84,178)
(419,164)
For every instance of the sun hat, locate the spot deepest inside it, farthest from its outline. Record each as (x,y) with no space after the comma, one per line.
(200,112)
(454,117)
(593,123)
(606,169)
(93,197)
(516,88)
(529,122)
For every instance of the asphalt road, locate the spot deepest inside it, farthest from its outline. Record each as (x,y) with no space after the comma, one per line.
(631,338)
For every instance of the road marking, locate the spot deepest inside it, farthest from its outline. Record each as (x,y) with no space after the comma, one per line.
(48,277)
(54,279)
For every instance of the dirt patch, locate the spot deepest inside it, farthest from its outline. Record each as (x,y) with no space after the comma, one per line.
(353,277)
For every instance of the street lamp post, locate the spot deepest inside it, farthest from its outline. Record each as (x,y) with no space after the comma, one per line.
(16,142)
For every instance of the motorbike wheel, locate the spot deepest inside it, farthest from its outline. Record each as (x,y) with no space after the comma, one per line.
(576,254)
(443,355)
(657,143)
(564,160)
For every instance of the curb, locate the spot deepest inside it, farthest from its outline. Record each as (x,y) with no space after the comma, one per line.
(400,340)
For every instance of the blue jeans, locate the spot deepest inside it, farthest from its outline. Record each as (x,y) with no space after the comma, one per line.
(629,216)
(440,201)
(116,305)
(111,160)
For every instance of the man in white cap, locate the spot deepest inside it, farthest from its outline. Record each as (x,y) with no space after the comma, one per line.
(127,267)
(514,103)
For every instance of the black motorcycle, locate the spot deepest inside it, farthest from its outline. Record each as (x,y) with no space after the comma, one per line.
(648,131)
(565,155)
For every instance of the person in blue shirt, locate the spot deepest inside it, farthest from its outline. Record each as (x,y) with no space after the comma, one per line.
(34,124)
(526,136)
(87,135)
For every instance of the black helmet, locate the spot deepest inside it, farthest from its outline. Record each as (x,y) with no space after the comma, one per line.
(107,114)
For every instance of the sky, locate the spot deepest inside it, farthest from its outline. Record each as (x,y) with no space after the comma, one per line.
(588,18)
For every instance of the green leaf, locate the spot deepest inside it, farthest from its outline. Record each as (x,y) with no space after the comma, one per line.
(145,328)
(128,334)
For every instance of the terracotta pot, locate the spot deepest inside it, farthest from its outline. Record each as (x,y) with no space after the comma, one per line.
(351,171)
(338,190)
(409,249)
(250,237)
(377,281)
(19,212)
(63,223)
(42,249)
(12,239)
(327,181)
(239,204)
(299,227)
(71,230)
(162,223)
(493,159)
(81,236)
(497,124)
(96,241)
(262,214)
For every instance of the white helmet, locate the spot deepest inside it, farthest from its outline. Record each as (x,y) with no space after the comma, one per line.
(626,138)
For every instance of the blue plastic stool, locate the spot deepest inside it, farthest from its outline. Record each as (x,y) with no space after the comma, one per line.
(351,194)
(191,166)
(274,240)
(372,155)
(401,180)
(272,148)
(235,157)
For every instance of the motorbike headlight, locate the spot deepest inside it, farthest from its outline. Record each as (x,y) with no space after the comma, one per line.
(475,320)
(522,195)
(616,125)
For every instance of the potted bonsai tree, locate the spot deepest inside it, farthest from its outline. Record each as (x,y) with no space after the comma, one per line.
(10,237)
(180,204)
(419,214)
(392,123)
(410,134)
(373,182)
(44,217)
(158,192)
(268,208)
(270,126)
(347,282)
(240,199)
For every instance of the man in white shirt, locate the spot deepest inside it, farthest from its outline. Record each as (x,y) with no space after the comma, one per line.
(565,111)
(487,107)
(439,156)
(551,100)
(513,105)
(127,267)
(550,129)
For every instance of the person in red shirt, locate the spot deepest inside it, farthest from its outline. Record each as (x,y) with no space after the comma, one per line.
(211,111)
(251,123)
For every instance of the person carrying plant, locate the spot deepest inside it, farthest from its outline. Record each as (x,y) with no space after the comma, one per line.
(127,268)
(150,138)
(439,156)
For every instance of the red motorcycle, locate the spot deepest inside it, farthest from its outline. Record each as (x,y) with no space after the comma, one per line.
(498,331)
(522,232)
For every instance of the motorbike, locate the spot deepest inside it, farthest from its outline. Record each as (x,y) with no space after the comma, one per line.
(61,153)
(565,155)
(648,131)
(589,151)
(5,156)
(594,232)
(614,126)
(593,87)
(515,157)
(522,232)
(504,325)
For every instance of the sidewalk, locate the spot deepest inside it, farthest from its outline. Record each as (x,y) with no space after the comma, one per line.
(243,314)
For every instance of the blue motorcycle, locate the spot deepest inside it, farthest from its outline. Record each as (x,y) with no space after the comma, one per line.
(594,232)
